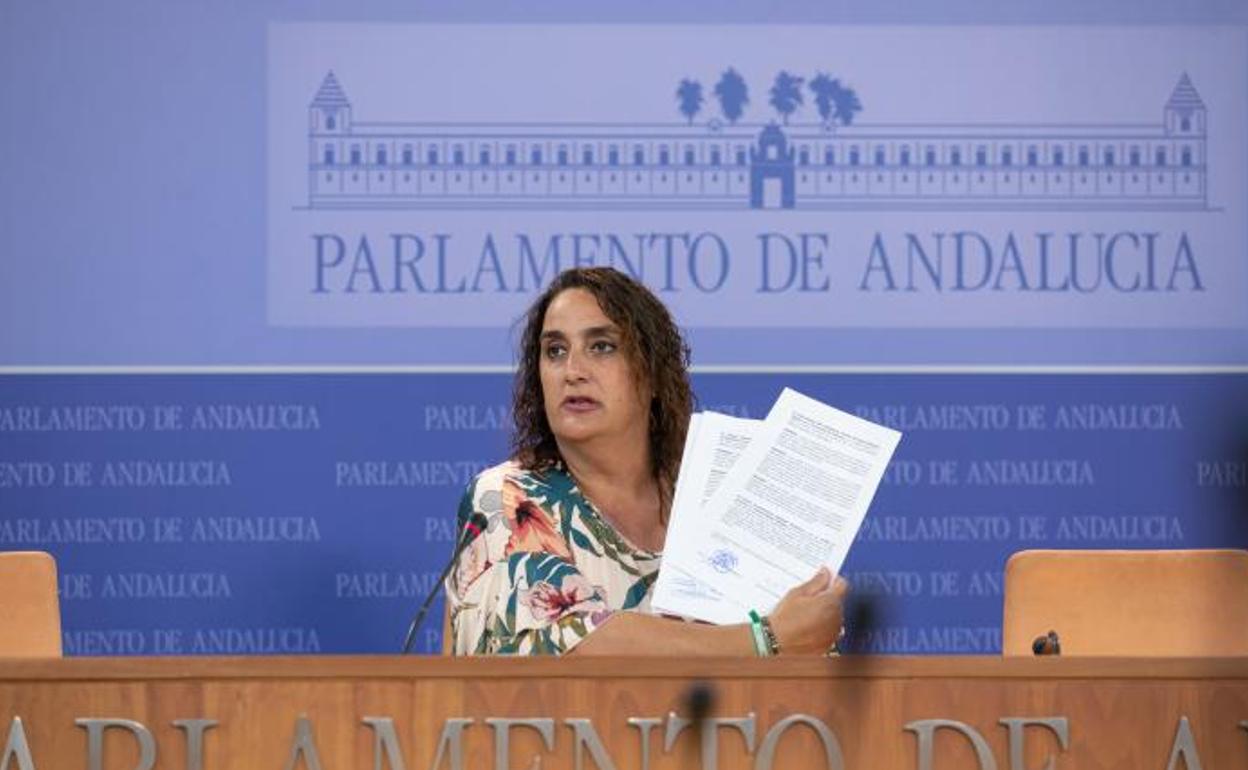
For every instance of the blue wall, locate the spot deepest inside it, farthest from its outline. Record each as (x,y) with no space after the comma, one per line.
(304,513)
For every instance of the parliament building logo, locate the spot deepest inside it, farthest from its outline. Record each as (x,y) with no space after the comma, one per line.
(700,161)
(787,177)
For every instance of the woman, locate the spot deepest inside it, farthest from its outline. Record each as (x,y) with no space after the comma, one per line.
(576,519)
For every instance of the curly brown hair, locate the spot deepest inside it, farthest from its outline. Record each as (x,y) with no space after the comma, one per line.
(658,355)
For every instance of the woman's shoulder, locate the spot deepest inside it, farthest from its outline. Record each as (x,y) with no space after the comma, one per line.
(497,476)
(511,477)
(494,476)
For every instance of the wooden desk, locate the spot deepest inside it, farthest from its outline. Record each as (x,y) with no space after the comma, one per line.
(1125,714)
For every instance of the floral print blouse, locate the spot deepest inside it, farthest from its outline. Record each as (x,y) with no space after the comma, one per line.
(548,570)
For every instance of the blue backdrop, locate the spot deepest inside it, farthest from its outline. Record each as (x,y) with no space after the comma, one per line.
(295,513)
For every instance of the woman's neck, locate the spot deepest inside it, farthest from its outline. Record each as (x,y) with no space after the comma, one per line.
(606,468)
(623,487)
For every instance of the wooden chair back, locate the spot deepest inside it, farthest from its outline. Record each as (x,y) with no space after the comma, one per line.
(1188,603)
(29,606)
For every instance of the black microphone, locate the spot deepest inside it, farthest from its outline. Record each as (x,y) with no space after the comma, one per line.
(862,616)
(1049,644)
(471,531)
(699,701)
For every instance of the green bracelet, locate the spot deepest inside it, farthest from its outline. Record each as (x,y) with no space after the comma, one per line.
(764,634)
(769,636)
(765,642)
(761,648)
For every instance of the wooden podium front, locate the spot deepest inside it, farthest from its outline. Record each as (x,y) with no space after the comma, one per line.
(360,713)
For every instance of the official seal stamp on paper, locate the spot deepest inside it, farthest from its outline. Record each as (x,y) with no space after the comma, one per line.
(723,560)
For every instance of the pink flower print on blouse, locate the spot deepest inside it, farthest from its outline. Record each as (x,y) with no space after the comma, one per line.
(574,597)
(532,530)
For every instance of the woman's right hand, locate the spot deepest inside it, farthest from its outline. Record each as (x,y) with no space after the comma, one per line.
(809,618)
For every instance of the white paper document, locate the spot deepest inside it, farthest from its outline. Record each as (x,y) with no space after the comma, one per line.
(712,446)
(760,506)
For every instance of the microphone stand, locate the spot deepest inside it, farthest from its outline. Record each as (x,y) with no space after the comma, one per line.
(472,530)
